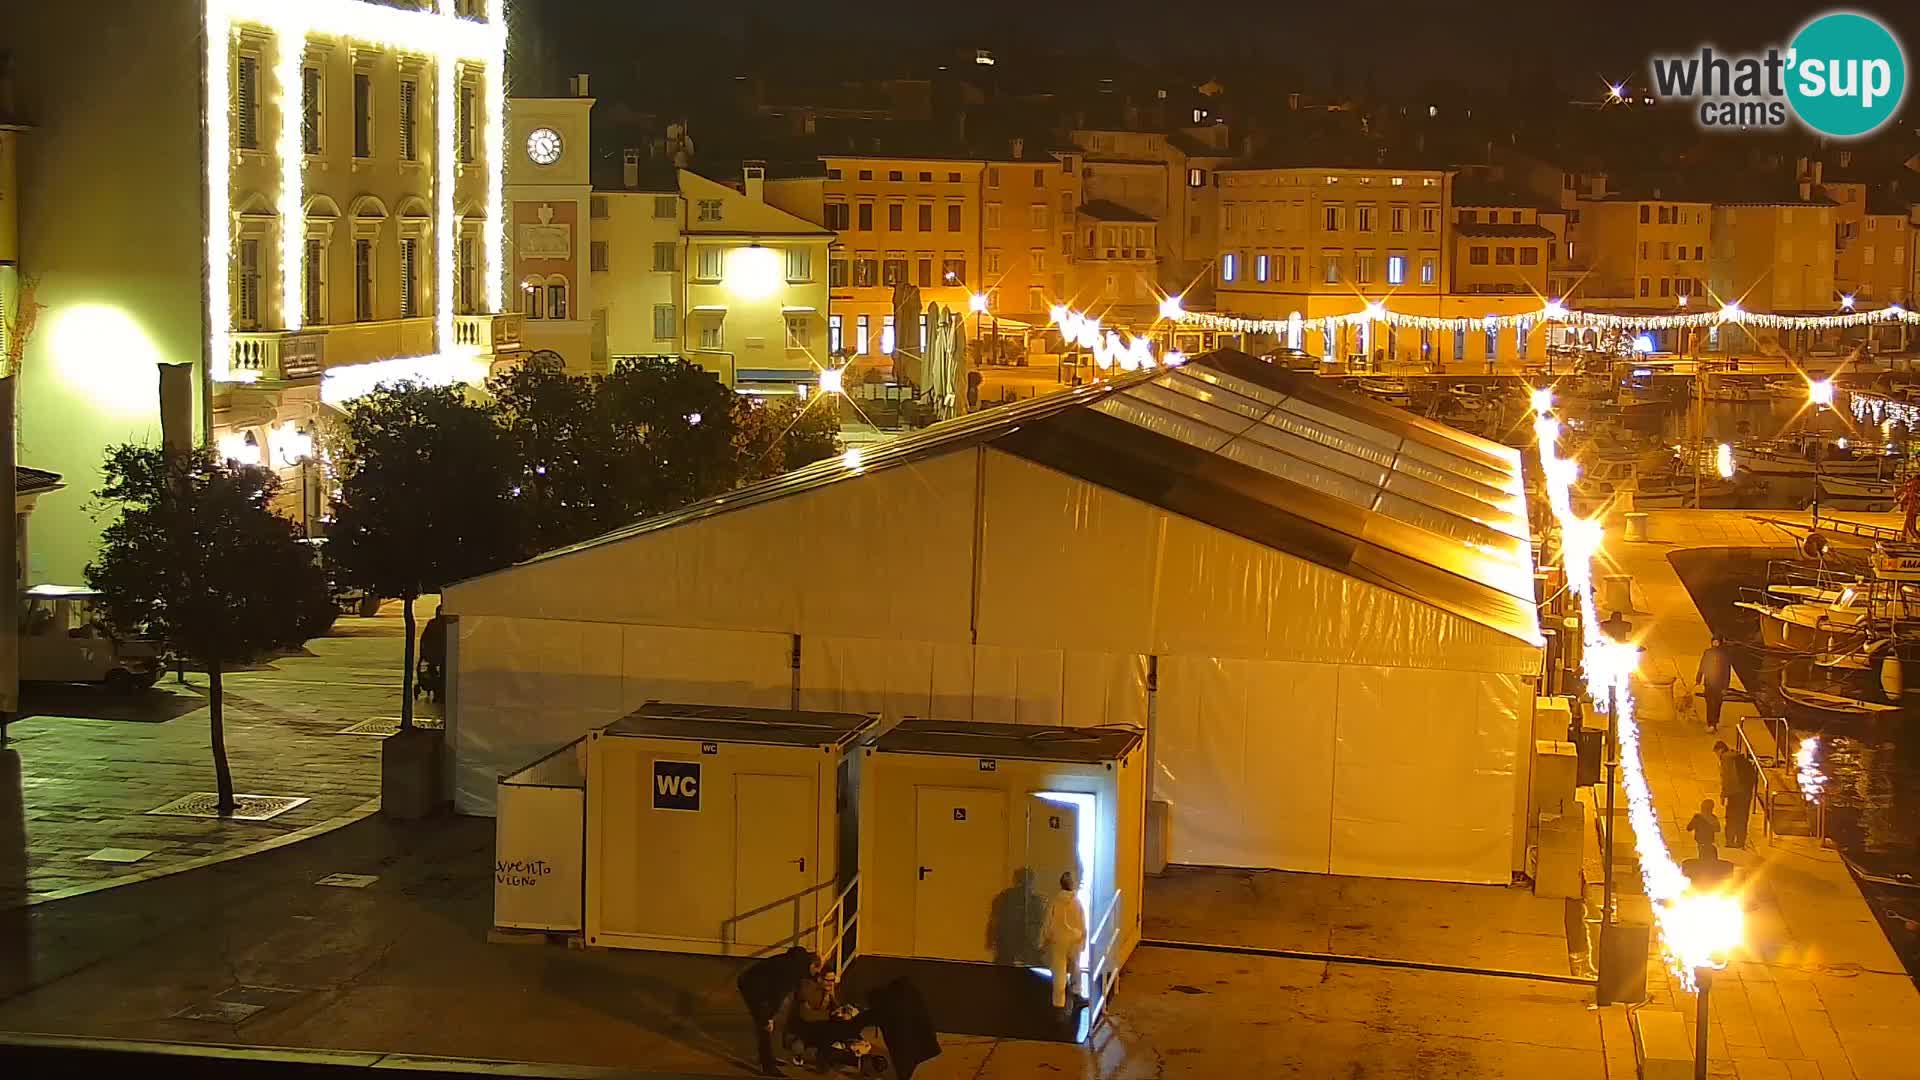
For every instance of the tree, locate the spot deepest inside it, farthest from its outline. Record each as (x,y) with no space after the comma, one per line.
(426,499)
(672,426)
(774,438)
(564,461)
(198,562)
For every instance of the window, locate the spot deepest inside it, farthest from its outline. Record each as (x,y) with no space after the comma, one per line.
(1666,250)
(247,285)
(953,217)
(836,335)
(953,271)
(1492,341)
(468,272)
(1699,253)
(665,206)
(1643,249)
(1330,267)
(1396,269)
(866,217)
(1364,216)
(310,110)
(710,209)
(1503,256)
(1066,207)
(1397,219)
(410,121)
(1665,284)
(246,102)
(833,174)
(597,207)
(409,278)
(708,268)
(713,334)
(1039,178)
(535,300)
(1037,216)
(837,273)
(895,176)
(866,174)
(1066,243)
(1529,256)
(1363,267)
(799,264)
(837,215)
(1228,267)
(1429,219)
(1459,343)
(1260,267)
(953,178)
(1476,256)
(866,272)
(1646,214)
(469,122)
(992,213)
(799,332)
(597,255)
(313,279)
(993,261)
(1428,267)
(1866,256)
(1336,220)
(362,114)
(557,300)
(663,256)
(860,336)
(1665,215)
(886,334)
(1520,338)
(926,217)
(1196,178)
(1646,285)
(665,325)
(1296,267)
(893,270)
(923,334)
(362,280)
(993,177)
(896,216)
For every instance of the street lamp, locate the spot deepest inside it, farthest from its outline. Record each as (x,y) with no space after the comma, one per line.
(1701,928)
(977,303)
(292,447)
(1820,396)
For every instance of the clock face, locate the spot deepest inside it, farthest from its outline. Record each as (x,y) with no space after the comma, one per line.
(543,146)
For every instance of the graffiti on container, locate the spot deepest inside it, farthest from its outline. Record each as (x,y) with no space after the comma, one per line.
(520,871)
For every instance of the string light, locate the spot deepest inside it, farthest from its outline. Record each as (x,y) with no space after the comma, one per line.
(1107,347)
(1555,311)
(290,46)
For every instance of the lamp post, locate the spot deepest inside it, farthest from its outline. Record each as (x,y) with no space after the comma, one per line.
(977,303)
(1820,396)
(1703,979)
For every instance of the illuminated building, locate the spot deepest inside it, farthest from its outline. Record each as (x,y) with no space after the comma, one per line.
(549,206)
(351,152)
(1774,253)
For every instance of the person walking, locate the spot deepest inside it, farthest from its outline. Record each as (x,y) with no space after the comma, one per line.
(1714,676)
(1706,831)
(1063,937)
(1617,628)
(765,986)
(1739,800)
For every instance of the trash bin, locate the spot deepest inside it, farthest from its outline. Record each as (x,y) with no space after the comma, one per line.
(1616,593)
(1637,526)
(1623,954)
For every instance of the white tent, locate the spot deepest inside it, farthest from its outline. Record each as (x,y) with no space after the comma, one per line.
(1320,608)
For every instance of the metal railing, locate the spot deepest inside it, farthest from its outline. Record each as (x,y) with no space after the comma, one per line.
(803,928)
(1782,797)
(844,915)
(1103,973)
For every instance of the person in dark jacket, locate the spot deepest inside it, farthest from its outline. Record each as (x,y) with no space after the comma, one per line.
(1738,779)
(765,986)
(1715,675)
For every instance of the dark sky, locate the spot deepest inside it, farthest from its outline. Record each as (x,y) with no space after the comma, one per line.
(1406,43)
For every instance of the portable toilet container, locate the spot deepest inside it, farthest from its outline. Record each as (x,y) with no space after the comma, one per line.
(964,833)
(713,829)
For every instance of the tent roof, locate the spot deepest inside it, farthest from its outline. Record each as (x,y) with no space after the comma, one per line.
(1281,459)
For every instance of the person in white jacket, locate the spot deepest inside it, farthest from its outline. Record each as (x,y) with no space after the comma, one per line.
(1063,937)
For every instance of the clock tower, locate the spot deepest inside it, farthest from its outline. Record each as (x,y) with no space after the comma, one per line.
(549,215)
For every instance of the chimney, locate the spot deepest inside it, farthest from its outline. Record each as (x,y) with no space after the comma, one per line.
(1819,171)
(630,168)
(577,86)
(1015,145)
(1806,189)
(754,175)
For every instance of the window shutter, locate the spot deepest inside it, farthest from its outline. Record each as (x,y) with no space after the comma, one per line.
(310,110)
(409,92)
(407,297)
(246,97)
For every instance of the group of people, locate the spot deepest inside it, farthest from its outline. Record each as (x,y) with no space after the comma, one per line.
(1739,778)
(795,988)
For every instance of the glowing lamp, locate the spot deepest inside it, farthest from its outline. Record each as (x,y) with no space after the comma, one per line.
(1846,301)
(1555,311)
(851,459)
(1376,311)
(753,273)
(1702,928)
(1542,399)
(1723,460)
(239,447)
(1058,314)
(977,303)
(1170,309)
(1730,312)
(833,380)
(1820,391)
(1643,343)
(289,445)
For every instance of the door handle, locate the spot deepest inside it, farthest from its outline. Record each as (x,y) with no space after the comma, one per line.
(802,860)
(924,871)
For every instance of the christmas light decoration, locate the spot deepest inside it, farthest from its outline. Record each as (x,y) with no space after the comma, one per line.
(1107,347)
(342,384)
(1555,311)
(440,35)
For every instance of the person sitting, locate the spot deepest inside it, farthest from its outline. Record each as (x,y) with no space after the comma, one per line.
(818,1019)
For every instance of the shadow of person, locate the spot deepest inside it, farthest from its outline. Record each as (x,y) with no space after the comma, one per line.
(16,952)
(1013,926)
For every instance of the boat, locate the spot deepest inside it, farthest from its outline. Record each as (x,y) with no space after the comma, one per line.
(1875,495)
(1788,390)
(1809,628)
(1813,455)
(1834,704)
(1387,392)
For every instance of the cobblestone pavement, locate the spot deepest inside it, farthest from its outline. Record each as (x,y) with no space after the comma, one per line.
(91,765)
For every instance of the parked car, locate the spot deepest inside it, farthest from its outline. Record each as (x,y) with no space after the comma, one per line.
(63,639)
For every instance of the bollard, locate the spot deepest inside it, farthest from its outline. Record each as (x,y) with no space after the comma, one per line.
(1637,526)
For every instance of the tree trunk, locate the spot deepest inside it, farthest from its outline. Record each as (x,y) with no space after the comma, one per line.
(222,776)
(406,672)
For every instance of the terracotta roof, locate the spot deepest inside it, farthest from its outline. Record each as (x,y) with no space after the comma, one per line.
(1535,232)
(1103,210)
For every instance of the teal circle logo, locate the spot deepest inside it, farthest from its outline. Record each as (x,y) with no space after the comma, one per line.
(1846,74)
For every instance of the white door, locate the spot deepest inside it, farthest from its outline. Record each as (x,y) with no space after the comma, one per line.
(1055,847)
(961,851)
(775,858)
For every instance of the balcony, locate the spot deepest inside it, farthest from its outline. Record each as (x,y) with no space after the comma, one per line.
(489,333)
(277,355)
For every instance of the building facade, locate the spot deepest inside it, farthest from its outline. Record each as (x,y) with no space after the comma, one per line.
(350,152)
(549,208)
(1641,254)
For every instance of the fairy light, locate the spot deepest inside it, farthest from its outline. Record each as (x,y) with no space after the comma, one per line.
(1556,311)
(1697,929)
(1541,398)
(445,38)
(342,384)
(1107,346)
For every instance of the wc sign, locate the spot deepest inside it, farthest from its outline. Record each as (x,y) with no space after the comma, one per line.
(676,785)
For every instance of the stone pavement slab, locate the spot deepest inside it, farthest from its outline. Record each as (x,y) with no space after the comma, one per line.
(91,765)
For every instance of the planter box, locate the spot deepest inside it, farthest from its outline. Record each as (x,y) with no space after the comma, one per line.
(411,780)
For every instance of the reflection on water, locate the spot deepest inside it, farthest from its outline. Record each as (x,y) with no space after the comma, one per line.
(1872,765)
